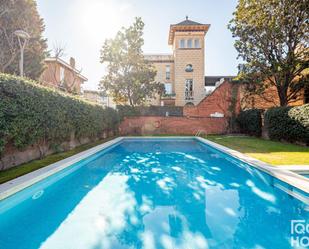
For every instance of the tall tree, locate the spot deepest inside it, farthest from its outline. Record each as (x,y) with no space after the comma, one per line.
(129,78)
(21,15)
(272,39)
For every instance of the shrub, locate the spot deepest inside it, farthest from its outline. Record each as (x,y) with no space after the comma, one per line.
(288,123)
(129,111)
(250,122)
(30,114)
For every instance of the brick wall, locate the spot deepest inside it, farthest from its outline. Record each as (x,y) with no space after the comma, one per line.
(172,125)
(218,101)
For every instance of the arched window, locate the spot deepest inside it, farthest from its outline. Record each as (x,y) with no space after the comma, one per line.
(189,43)
(182,43)
(197,43)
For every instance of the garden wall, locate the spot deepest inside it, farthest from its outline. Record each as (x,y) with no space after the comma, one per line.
(13,157)
(172,125)
(223,100)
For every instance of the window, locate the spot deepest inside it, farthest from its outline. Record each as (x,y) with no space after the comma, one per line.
(61,76)
(197,43)
(168,88)
(168,72)
(189,89)
(189,68)
(182,43)
(189,43)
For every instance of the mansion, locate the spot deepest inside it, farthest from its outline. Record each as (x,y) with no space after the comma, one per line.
(183,71)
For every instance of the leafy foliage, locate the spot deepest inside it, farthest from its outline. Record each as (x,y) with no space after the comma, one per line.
(288,123)
(32,114)
(21,15)
(272,39)
(129,111)
(130,78)
(250,122)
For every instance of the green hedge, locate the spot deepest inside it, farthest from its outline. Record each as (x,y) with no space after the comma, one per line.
(129,111)
(30,114)
(250,122)
(288,123)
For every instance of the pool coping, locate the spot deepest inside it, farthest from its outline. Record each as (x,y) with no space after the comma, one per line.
(297,181)
(284,174)
(13,186)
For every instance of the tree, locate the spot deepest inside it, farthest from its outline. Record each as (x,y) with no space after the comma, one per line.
(21,15)
(130,78)
(272,39)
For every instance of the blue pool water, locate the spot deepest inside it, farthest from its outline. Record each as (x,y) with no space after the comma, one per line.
(152,193)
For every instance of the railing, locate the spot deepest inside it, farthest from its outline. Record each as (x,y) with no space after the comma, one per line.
(169,96)
(189,95)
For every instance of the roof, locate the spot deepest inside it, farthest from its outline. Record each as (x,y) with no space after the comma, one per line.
(212,80)
(67,65)
(186,25)
(159,57)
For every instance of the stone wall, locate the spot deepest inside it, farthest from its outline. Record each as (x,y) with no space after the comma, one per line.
(172,125)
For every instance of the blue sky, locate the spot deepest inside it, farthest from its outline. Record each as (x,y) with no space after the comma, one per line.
(83,25)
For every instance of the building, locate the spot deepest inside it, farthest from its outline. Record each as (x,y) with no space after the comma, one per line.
(62,75)
(183,71)
(98,98)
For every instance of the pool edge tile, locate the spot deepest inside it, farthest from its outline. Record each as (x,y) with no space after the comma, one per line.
(13,186)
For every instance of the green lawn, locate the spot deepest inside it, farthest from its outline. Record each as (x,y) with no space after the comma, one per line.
(275,153)
(23,169)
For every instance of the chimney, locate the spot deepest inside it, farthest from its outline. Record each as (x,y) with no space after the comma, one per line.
(72,62)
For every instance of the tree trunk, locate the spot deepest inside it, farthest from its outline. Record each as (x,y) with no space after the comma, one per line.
(283,96)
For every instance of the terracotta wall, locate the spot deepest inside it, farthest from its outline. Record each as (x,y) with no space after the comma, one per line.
(51,77)
(218,101)
(171,125)
(267,100)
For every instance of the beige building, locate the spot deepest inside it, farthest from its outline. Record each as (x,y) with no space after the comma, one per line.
(98,98)
(62,75)
(182,72)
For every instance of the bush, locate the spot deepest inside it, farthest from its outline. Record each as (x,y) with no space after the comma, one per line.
(250,122)
(129,111)
(288,123)
(31,114)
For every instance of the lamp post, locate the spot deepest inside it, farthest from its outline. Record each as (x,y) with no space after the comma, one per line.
(23,38)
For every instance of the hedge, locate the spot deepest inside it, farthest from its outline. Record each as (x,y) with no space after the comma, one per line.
(30,114)
(288,123)
(128,111)
(250,122)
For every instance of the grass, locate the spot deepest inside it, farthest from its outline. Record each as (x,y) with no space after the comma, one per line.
(23,169)
(275,153)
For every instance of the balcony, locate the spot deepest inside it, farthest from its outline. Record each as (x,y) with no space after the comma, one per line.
(189,95)
(168,96)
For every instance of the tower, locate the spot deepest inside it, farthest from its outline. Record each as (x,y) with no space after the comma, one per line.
(187,40)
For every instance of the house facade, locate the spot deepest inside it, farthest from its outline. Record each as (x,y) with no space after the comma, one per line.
(98,98)
(183,71)
(62,75)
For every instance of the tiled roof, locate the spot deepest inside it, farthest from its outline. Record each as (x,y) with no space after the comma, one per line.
(187,22)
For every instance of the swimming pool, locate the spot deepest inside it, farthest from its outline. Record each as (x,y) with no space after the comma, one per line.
(152,193)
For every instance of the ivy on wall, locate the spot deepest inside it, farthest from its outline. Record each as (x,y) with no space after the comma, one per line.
(31,114)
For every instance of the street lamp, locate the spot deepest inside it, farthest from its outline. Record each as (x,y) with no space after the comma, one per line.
(23,38)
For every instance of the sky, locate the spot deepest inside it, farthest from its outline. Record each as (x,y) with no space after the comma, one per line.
(81,26)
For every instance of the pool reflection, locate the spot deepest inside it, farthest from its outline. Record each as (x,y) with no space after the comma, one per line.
(155,194)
